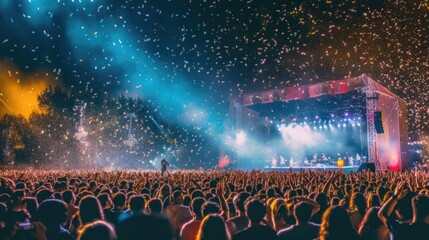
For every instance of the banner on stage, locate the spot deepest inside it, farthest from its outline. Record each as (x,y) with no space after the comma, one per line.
(317,90)
(267,96)
(301,92)
(294,93)
(339,87)
(248,99)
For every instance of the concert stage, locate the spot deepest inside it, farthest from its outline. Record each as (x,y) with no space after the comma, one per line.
(353,119)
(346,169)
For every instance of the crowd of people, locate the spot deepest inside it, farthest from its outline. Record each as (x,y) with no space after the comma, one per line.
(218,205)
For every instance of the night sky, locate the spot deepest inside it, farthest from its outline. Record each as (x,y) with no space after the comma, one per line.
(192,56)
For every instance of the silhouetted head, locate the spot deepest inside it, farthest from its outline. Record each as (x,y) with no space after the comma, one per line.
(213,228)
(52,212)
(98,230)
(90,210)
(336,224)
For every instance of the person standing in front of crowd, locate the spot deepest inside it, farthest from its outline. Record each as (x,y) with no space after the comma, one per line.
(256,212)
(419,227)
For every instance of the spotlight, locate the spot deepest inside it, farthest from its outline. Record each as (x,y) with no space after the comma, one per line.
(332,115)
(324,126)
(359,124)
(338,125)
(344,125)
(314,127)
(241,138)
(320,127)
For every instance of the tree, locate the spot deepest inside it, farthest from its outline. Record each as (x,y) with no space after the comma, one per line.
(18,141)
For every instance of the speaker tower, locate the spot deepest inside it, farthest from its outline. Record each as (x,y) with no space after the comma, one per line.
(378,122)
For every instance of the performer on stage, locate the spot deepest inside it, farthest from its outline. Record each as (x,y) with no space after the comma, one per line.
(358,159)
(314,160)
(347,159)
(325,159)
(273,162)
(164,165)
(282,161)
(351,161)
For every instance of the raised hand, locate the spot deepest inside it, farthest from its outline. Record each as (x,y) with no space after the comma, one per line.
(401,190)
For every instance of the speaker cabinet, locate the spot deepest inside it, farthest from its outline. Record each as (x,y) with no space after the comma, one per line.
(378,122)
(367,167)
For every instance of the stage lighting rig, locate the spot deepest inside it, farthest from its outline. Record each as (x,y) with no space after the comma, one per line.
(375,96)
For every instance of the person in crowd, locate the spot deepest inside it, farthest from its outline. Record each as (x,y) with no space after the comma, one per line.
(303,229)
(137,204)
(16,200)
(31,206)
(213,227)
(279,213)
(164,165)
(52,214)
(419,226)
(154,206)
(256,211)
(69,198)
(210,207)
(323,201)
(119,206)
(373,200)
(106,203)
(335,201)
(97,230)
(241,221)
(143,226)
(372,228)
(190,229)
(177,213)
(44,194)
(3,212)
(336,225)
(90,210)
(357,209)
(13,220)
(164,192)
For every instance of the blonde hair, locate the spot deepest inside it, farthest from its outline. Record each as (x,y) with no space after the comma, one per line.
(213,227)
(275,208)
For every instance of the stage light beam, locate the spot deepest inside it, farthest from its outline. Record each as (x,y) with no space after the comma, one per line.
(241,138)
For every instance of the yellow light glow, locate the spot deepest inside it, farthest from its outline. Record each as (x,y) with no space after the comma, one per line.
(18,92)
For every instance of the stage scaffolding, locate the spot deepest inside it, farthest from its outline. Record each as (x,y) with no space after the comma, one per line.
(387,150)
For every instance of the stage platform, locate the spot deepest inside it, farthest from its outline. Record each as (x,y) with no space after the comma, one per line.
(347,169)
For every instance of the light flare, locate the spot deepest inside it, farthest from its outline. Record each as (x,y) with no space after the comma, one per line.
(18,92)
